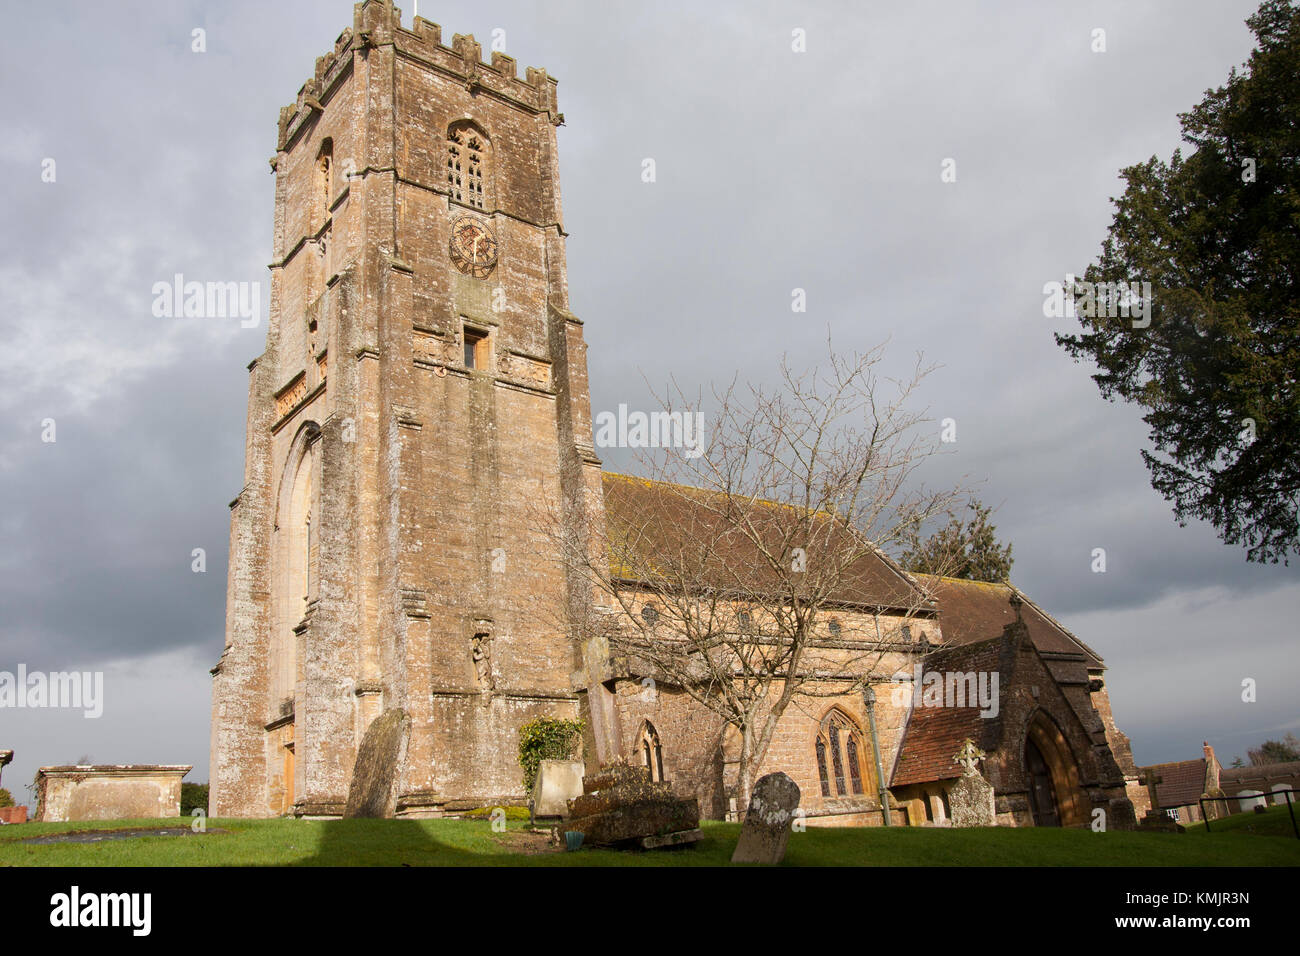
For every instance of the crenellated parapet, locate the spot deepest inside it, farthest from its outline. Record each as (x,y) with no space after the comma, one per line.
(377,24)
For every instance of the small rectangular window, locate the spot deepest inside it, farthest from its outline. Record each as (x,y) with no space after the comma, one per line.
(475,349)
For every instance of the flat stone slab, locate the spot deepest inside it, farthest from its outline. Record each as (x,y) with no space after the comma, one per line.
(636,821)
(680,838)
(619,796)
(613,776)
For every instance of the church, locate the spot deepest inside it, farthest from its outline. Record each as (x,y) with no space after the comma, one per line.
(423,381)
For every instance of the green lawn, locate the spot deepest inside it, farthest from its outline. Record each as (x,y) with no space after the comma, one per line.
(1275,821)
(473,843)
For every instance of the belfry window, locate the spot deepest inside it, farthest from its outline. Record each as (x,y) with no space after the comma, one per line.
(467,161)
(840,737)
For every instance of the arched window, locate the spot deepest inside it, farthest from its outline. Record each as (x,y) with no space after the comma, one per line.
(840,736)
(467,164)
(652,754)
(296,560)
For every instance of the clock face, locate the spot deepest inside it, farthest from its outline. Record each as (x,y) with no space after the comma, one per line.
(473,247)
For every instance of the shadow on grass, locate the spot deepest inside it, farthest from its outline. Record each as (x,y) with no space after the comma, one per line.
(385,843)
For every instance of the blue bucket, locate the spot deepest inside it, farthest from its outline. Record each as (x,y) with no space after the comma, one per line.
(573,839)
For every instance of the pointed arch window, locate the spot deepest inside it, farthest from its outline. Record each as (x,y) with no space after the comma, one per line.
(855,775)
(468,150)
(840,737)
(652,754)
(821,767)
(295,560)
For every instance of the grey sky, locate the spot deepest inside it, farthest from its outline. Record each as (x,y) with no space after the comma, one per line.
(775,170)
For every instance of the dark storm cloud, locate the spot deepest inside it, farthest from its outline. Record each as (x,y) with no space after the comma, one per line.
(775,171)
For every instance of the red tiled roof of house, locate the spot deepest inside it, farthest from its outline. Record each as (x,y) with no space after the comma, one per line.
(1269,771)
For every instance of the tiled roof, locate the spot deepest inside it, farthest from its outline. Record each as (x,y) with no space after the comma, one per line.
(976,611)
(935,734)
(661,533)
(1268,771)
(1178,784)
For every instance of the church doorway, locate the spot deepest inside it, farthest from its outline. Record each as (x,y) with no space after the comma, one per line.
(1042,800)
(1056,797)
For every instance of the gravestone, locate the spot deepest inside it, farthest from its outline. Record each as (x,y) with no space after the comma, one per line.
(766,829)
(378,770)
(557,782)
(621,806)
(970,799)
(1159,820)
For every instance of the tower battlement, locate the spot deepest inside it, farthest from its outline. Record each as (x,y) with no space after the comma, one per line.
(378,23)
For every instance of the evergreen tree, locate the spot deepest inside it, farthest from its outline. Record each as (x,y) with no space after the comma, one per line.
(1215,235)
(961,549)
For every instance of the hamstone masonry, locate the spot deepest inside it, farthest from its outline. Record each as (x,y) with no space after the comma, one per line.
(424,384)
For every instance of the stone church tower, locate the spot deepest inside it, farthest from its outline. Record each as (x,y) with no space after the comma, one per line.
(423,390)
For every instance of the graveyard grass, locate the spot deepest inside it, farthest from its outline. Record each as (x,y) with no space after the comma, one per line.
(473,843)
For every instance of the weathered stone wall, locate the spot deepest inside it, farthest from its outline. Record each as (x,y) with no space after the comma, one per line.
(701,752)
(1028,689)
(1120,746)
(430,584)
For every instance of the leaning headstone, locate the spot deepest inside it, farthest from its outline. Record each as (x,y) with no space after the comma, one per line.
(766,829)
(557,782)
(970,799)
(379,766)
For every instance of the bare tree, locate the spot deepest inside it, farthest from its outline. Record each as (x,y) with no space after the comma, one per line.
(737,547)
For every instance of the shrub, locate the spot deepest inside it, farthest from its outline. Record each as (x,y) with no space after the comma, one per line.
(193,795)
(6,798)
(547,738)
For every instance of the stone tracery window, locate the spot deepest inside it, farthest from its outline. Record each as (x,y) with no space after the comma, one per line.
(652,754)
(841,737)
(467,164)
